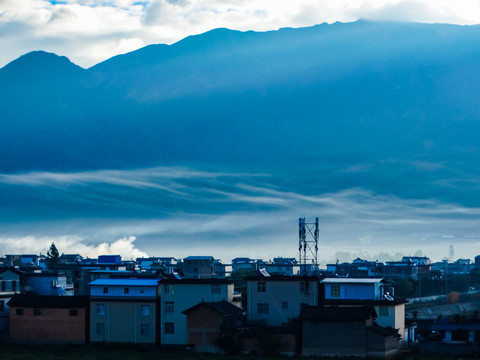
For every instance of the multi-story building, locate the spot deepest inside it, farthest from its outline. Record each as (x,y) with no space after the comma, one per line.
(125,310)
(9,286)
(178,295)
(199,267)
(273,300)
(367,292)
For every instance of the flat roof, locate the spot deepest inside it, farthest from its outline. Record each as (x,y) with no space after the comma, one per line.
(351,280)
(125,282)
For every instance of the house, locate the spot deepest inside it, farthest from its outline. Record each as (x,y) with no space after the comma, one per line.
(210,322)
(124,311)
(70,259)
(48,319)
(9,286)
(48,283)
(274,300)
(178,295)
(243,263)
(281,266)
(367,292)
(199,267)
(345,332)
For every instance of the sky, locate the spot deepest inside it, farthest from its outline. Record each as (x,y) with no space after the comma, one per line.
(91,31)
(182,211)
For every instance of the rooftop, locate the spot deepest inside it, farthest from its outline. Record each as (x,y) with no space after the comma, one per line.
(351,280)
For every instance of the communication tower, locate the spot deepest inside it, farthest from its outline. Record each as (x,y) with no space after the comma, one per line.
(308,244)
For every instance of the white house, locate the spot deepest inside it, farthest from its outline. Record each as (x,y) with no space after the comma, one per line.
(178,295)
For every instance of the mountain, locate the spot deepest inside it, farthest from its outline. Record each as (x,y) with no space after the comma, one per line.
(339,96)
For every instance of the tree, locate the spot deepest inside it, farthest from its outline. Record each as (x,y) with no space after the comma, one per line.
(52,255)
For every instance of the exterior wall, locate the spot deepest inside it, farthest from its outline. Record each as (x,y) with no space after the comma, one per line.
(53,326)
(334,338)
(203,326)
(353,291)
(395,318)
(380,346)
(123,321)
(134,291)
(54,285)
(10,282)
(185,296)
(276,294)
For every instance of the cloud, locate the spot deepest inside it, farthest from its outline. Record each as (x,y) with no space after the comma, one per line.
(90,31)
(71,244)
(176,211)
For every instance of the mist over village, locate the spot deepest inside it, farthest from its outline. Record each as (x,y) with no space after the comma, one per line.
(225,179)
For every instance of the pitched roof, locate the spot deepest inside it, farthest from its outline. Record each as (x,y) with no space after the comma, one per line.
(51,302)
(4,269)
(333,313)
(223,307)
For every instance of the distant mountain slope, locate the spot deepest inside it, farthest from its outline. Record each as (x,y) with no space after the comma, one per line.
(355,92)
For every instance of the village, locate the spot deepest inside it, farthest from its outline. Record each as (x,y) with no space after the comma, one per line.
(284,306)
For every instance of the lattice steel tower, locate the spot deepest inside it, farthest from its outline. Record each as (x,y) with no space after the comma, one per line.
(307,244)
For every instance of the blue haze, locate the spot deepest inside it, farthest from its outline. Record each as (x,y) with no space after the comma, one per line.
(373,127)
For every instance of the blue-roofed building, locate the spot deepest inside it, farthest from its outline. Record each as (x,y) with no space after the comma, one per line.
(125,311)
(367,292)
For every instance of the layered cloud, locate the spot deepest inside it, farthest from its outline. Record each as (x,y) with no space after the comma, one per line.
(89,31)
(175,211)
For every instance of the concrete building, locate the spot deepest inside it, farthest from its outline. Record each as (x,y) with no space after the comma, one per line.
(368,292)
(178,295)
(48,319)
(199,267)
(273,300)
(346,332)
(48,284)
(9,286)
(124,310)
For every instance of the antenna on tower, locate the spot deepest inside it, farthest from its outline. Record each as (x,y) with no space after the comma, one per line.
(308,244)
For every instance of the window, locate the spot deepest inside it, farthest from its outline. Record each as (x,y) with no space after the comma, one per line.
(126,290)
(105,290)
(100,309)
(285,305)
(100,329)
(2,305)
(19,312)
(4,286)
(335,291)
(169,289)
(169,328)
(37,312)
(262,308)
(169,307)
(145,310)
(73,312)
(383,310)
(144,329)
(142,290)
(261,286)
(14,285)
(216,289)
